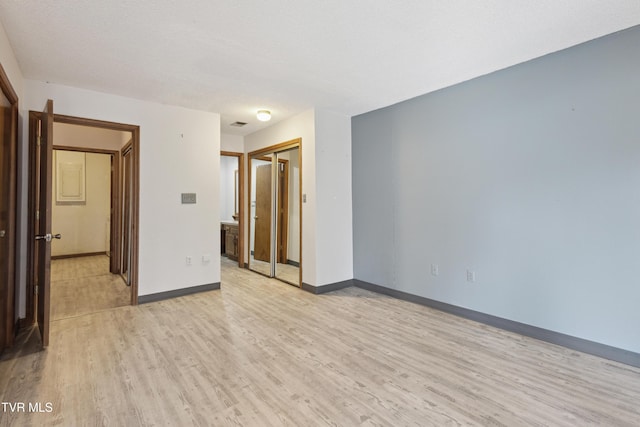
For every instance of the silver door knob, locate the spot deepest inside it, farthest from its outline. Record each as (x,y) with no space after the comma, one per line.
(2,233)
(48,237)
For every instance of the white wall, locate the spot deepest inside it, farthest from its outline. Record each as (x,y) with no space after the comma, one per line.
(84,227)
(529,176)
(233,143)
(10,64)
(89,137)
(179,152)
(334,228)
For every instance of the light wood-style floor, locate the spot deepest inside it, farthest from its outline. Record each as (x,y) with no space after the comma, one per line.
(262,353)
(84,285)
(287,272)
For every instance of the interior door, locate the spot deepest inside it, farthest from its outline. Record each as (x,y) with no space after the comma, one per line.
(43,226)
(287,267)
(6,282)
(127,215)
(262,245)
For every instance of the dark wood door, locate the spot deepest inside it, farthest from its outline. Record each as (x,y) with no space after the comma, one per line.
(6,280)
(261,248)
(43,232)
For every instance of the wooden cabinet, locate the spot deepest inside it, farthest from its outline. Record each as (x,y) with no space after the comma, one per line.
(230,240)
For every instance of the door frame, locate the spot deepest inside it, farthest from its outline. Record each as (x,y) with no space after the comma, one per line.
(283,146)
(8,282)
(34,118)
(240,157)
(124,225)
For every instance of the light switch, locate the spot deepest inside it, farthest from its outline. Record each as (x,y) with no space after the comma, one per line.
(188,198)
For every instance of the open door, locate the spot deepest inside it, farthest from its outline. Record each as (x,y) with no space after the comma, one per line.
(43,221)
(127,213)
(8,176)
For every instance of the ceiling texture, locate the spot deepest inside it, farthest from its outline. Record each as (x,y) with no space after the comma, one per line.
(287,56)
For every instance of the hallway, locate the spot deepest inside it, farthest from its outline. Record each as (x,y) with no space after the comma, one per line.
(84,285)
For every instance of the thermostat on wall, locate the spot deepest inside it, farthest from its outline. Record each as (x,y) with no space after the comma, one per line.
(188,198)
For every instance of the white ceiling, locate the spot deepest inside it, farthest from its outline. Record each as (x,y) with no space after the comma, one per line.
(348,56)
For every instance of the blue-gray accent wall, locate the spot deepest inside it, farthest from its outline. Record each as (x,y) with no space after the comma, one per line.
(529,177)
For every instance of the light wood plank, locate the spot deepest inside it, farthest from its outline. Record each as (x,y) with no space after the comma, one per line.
(84,285)
(262,353)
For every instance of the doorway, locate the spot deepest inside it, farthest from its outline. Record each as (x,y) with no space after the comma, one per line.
(84,210)
(41,133)
(232,206)
(275,217)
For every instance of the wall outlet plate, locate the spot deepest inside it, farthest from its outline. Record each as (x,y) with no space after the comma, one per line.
(471,276)
(435,270)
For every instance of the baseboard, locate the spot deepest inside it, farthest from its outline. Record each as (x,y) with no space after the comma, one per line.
(79,255)
(327,288)
(143,299)
(585,346)
(294,263)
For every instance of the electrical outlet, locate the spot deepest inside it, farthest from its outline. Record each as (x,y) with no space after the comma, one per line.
(434,270)
(471,276)
(188,260)
(206,259)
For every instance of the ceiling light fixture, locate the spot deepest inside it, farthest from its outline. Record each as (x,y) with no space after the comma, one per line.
(264,115)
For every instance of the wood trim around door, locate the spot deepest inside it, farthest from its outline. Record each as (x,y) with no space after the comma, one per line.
(284,146)
(34,117)
(8,283)
(241,207)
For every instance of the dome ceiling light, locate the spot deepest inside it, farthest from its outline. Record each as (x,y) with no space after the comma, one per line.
(264,115)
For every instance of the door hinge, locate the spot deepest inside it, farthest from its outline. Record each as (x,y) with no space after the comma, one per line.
(35,290)
(37,215)
(38,140)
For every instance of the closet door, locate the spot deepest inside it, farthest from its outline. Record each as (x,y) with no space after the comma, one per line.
(287,207)
(275,216)
(261,236)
